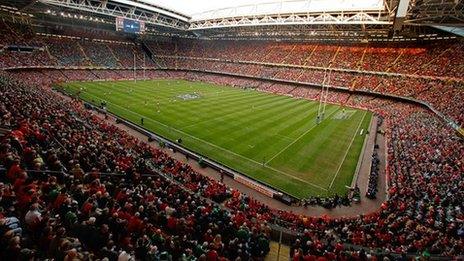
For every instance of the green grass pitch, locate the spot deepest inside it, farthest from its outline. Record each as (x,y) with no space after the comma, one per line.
(272,138)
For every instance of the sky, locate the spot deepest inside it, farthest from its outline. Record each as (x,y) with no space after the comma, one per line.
(192,7)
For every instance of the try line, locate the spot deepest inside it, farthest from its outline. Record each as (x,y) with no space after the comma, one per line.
(347,150)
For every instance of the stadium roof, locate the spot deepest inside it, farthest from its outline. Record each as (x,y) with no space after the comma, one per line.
(207,9)
(315,20)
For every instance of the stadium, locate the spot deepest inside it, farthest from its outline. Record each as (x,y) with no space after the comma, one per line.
(231,130)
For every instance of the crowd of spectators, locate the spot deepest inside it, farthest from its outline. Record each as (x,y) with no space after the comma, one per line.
(372,188)
(66,51)
(74,186)
(12,58)
(19,33)
(244,58)
(125,55)
(444,95)
(327,202)
(99,54)
(74,51)
(427,59)
(425,176)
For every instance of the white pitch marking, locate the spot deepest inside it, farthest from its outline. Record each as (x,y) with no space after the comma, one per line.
(213,145)
(286,147)
(347,150)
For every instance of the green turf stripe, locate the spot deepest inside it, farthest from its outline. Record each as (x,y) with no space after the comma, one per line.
(244,128)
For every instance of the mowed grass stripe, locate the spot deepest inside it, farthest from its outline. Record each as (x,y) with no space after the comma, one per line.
(347,151)
(213,146)
(240,128)
(266,147)
(345,175)
(220,96)
(245,128)
(133,102)
(224,112)
(185,111)
(257,122)
(144,93)
(270,126)
(310,155)
(240,110)
(166,110)
(241,96)
(296,140)
(268,175)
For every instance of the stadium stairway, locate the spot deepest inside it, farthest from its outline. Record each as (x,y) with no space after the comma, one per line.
(114,55)
(87,59)
(50,55)
(151,54)
(431,61)
(276,254)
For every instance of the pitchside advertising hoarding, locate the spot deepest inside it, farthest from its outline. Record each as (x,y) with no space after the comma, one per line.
(129,25)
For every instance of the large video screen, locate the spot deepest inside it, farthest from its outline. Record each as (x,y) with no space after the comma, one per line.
(129,26)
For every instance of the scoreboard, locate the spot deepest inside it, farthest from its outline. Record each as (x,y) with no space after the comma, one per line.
(129,25)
